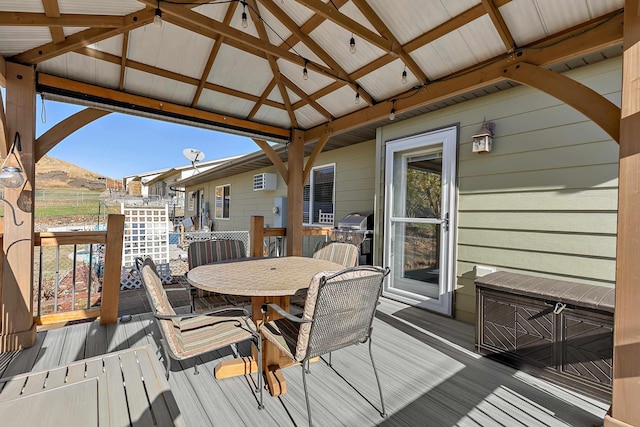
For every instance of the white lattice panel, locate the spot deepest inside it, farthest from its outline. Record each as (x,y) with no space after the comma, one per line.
(146,234)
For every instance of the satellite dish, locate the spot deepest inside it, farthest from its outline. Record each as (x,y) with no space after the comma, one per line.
(193,155)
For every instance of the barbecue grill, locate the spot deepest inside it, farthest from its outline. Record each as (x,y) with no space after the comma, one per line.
(356,229)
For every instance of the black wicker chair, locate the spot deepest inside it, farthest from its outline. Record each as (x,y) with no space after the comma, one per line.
(338,313)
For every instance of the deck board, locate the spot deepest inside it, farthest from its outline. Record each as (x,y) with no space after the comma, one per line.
(429,373)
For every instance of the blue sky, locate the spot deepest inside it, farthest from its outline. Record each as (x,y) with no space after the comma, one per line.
(119,145)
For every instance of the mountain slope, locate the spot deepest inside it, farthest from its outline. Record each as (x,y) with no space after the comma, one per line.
(56,173)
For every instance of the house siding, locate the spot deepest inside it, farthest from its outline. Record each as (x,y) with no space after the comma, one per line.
(354,189)
(544,201)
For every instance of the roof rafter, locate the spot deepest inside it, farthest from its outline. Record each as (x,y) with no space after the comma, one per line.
(262,33)
(123,59)
(334,15)
(597,34)
(299,36)
(51,10)
(213,54)
(83,38)
(306,99)
(55,21)
(381,27)
(499,24)
(262,100)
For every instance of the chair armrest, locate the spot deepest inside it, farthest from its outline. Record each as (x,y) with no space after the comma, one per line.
(281,311)
(206,313)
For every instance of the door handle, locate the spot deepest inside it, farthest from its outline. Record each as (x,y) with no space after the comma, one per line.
(445,222)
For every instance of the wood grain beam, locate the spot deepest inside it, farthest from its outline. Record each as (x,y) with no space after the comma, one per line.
(213,54)
(3,72)
(83,38)
(499,24)
(382,28)
(305,98)
(56,21)
(262,100)
(51,10)
(63,129)
(584,99)
(329,12)
(580,40)
(275,159)
(158,106)
(317,149)
(123,59)
(4,132)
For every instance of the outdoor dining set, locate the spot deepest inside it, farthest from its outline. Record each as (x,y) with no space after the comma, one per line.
(294,310)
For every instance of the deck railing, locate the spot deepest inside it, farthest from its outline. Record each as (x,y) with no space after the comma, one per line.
(273,241)
(77,274)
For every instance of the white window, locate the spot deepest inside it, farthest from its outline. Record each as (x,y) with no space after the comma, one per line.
(318,194)
(223,196)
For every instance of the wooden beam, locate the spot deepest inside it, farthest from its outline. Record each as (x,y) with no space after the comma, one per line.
(53,19)
(262,100)
(294,193)
(275,159)
(160,107)
(123,59)
(306,98)
(499,24)
(317,149)
(582,39)
(112,270)
(382,28)
(83,38)
(328,11)
(4,132)
(66,127)
(584,99)
(213,54)
(16,288)
(3,72)
(625,410)
(51,319)
(52,10)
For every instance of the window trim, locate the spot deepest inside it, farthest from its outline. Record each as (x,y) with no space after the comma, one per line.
(215,202)
(333,192)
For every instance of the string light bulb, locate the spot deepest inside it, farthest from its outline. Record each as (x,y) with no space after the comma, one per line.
(392,113)
(352,45)
(305,72)
(357,100)
(404,75)
(245,21)
(157,19)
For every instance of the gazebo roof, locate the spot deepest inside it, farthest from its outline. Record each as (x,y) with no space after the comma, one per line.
(203,67)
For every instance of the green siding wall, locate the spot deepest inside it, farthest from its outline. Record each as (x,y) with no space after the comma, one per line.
(544,201)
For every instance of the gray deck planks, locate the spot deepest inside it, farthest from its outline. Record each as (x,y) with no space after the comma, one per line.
(426,379)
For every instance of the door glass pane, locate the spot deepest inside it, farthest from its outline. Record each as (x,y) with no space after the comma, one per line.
(420,178)
(416,252)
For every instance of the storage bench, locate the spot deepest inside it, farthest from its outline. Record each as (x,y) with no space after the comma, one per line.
(559,329)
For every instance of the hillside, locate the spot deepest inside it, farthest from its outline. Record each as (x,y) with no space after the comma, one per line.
(56,173)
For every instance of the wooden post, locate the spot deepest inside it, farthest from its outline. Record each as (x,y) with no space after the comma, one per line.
(294,194)
(112,270)
(16,290)
(256,234)
(625,410)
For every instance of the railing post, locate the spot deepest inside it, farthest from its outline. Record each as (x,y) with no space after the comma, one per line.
(256,236)
(112,270)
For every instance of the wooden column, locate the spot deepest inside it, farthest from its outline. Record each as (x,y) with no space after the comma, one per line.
(112,270)
(294,194)
(256,233)
(16,290)
(625,410)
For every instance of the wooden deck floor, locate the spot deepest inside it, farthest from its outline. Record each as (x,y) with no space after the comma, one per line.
(429,373)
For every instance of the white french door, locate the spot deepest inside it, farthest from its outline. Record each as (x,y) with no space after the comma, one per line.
(419,219)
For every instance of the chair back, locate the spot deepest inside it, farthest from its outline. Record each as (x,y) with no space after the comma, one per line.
(208,251)
(341,307)
(342,253)
(155,291)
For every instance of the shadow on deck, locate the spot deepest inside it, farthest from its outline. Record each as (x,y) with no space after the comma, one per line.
(429,372)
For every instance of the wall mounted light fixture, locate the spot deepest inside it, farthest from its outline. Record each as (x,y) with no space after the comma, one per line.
(483,138)
(12,176)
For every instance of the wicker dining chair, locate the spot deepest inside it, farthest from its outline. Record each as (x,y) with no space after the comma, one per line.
(185,336)
(208,251)
(338,313)
(341,253)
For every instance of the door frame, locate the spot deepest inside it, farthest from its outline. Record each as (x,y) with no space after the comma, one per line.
(448,138)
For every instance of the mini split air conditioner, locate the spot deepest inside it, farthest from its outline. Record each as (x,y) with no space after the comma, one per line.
(265,182)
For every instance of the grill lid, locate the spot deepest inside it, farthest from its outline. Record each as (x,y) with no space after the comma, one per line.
(356,221)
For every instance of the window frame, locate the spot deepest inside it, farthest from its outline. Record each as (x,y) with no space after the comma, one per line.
(310,183)
(227,197)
